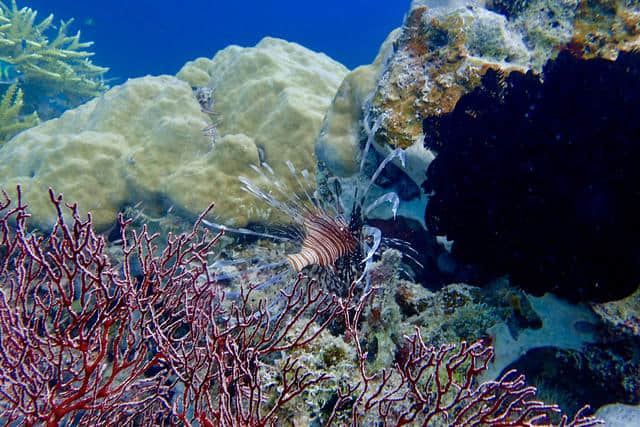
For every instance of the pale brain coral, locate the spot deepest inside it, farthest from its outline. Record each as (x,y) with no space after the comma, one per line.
(107,151)
(144,140)
(275,93)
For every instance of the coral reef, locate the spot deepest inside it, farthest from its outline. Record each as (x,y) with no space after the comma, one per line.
(433,386)
(606,376)
(88,340)
(602,28)
(145,138)
(538,180)
(337,147)
(48,65)
(442,53)
(154,339)
(208,330)
(623,315)
(274,93)
(11,122)
(111,150)
(446,46)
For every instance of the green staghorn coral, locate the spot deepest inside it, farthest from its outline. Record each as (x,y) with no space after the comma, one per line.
(11,122)
(49,66)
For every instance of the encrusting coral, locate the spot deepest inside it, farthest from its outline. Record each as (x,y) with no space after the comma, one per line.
(47,66)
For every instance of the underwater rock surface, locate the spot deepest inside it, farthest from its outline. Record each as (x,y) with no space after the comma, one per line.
(144,141)
(447,45)
(441,52)
(618,415)
(338,145)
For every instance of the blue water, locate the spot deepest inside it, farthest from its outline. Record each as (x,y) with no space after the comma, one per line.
(139,37)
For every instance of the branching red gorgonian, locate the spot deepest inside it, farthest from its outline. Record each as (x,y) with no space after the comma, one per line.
(71,337)
(218,353)
(439,386)
(154,340)
(150,339)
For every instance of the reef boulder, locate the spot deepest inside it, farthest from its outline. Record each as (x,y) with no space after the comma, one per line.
(447,45)
(441,53)
(144,140)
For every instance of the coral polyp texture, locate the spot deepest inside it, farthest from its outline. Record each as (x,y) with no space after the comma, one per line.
(539,179)
(148,139)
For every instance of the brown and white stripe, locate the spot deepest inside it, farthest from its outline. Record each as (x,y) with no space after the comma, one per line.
(325,240)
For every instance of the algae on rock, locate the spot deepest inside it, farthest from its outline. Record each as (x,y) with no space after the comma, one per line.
(48,66)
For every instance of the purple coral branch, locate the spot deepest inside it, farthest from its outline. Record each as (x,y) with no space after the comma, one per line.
(428,384)
(84,339)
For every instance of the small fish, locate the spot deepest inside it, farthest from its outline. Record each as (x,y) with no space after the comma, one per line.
(9,74)
(89,22)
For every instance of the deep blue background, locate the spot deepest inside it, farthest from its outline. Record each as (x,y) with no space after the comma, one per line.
(138,37)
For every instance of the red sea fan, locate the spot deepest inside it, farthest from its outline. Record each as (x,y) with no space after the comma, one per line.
(86,341)
(439,386)
(73,331)
(89,342)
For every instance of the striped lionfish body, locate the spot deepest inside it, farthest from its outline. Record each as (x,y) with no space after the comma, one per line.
(342,248)
(325,240)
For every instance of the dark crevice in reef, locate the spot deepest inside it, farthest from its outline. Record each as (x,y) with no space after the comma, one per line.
(607,373)
(393,178)
(508,8)
(425,250)
(541,181)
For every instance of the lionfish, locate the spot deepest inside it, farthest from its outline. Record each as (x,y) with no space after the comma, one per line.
(332,240)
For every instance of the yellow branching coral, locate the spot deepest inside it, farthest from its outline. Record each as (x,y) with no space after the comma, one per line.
(11,122)
(58,65)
